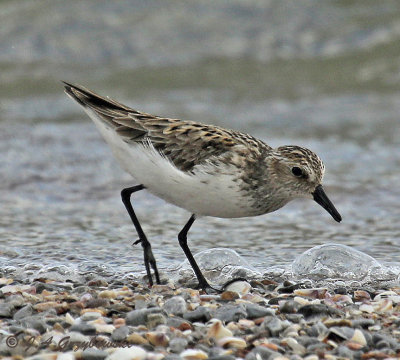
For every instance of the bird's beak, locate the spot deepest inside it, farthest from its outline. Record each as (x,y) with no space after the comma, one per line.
(321,198)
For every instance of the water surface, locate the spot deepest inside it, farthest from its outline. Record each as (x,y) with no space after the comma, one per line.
(321,75)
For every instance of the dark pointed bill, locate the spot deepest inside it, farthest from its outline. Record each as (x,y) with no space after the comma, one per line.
(321,198)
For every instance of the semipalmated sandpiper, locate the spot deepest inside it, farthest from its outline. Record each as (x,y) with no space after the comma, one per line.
(205,169)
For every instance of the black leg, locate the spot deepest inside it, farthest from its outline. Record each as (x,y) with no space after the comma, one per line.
(182,237)
(149,259)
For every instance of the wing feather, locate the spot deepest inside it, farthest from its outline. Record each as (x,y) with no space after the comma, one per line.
(185,143)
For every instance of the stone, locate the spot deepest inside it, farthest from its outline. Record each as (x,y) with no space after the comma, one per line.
(94,354)
(27,310)
(201,314)
(153,320)
(344,352)
(294,318)
(177,345)
(222,357)
(318,329)
(6,310)
(362,323)
(255,311)
(74,339)
(307,340)
(96,303)
(273,324)
(139,317)
(228,313)
(84,328)
(175,305)
(380,338)
(318,310)
(16,300)
(36,323)
(120,334)
(136,339)
(289,307)
(178,323)
(90,315)
(261,353)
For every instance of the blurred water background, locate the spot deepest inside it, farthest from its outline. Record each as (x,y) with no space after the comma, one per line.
(321,74)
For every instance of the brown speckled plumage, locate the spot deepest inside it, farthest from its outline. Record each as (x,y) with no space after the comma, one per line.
(204,169)
(185,143)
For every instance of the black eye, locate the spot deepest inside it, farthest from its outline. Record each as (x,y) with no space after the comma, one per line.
(297,171)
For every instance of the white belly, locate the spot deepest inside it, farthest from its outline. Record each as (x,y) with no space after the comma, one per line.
(207,192)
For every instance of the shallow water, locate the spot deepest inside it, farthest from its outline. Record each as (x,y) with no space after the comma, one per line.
(322,75)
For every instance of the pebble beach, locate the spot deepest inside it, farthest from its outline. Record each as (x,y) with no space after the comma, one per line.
(323,75)
(46,319)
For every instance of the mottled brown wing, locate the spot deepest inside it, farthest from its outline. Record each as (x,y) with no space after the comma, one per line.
(185,143)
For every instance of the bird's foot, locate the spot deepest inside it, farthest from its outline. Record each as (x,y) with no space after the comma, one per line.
(149,261)
(208,289)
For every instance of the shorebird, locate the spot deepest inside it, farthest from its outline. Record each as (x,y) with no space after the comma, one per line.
(205,169)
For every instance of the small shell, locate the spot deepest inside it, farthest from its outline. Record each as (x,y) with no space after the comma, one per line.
(107,294)
(229,295)
(311,357)
(292,330)
(69,319)
(265,343)
(254,298)
(193,354)
(118,322)
(232,342)
(366,308)
(358,337)
(240,287)
(375,328)
(383,305)
(157,338)
(341,332)
(154,356)
(246,324)
(332,343)
(46,305)
(5,281)
(317,293)
(218,331)
(132,353)
(391,295)
(102,327)
(339,298)
(294,345)
(136,339)
(354,346)
(301,300)
(90,315)
(361,295)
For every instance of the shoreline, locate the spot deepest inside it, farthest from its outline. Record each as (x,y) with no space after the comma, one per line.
(47,319)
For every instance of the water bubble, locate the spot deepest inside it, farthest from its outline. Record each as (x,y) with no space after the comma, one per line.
(342,264)
(218,265)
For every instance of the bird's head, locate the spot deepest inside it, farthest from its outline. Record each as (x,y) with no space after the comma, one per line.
(299,171)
